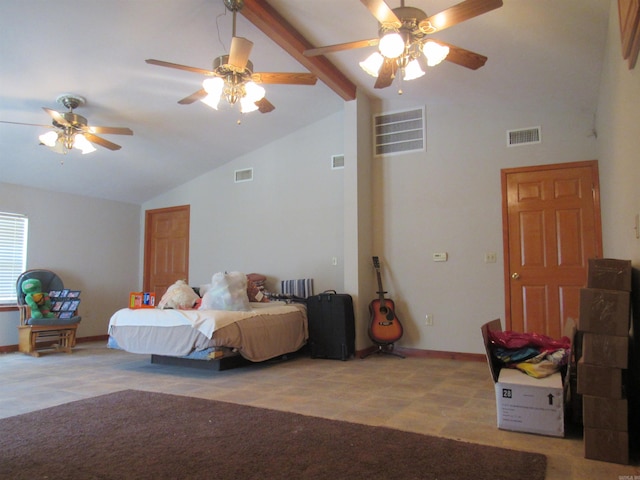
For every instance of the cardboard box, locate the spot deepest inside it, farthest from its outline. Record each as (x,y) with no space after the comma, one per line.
(606,445)
(605,311)
(605,350)
(600,381)
(609,274)
(527,404)
(605,413)
(524,403)
(142,300)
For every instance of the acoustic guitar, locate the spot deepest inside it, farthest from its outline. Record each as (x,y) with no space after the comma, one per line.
(384,327)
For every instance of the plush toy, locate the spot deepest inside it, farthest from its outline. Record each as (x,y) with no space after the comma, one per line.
(39,301)
(228,291)
(179,296)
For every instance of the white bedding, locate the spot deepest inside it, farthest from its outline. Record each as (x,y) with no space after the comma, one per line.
(205,321)
(267,331)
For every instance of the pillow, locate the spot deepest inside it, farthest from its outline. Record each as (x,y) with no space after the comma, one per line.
(228,291)
(179,296)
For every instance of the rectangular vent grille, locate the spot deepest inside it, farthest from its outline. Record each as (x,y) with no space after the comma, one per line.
(524,136)
(244,175)
(337,161)
(399,132)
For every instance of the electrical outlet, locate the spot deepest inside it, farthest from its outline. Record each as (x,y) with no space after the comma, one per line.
(429,320)
(334,261)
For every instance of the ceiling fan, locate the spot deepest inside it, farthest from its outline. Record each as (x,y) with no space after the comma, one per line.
(70,130)
(403,40)
(232,75)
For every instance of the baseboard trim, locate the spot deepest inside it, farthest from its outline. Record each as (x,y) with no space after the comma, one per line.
(407,352)
(95,338)
(419,353)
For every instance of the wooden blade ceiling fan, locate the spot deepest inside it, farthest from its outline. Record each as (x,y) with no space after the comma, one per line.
(232,76)
(412,27)
(70,130)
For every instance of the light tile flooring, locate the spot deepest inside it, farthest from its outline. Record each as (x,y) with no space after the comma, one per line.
(446,398)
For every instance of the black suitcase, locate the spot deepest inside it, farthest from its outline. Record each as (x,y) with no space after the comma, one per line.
(332,331)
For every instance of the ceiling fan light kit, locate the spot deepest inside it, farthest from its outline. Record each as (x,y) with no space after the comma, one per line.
(403,44)
(70,130)
(232,76)
(234,84)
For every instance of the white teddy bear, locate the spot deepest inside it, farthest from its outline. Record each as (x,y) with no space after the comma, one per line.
(179,296)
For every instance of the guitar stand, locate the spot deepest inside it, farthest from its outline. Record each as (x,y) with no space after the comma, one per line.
(386,349)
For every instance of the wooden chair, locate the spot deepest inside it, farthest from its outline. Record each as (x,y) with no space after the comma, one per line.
(38,333)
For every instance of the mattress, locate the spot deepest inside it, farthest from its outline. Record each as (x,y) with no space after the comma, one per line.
(266,331)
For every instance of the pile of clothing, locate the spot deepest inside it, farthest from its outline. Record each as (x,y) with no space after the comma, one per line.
(534,354)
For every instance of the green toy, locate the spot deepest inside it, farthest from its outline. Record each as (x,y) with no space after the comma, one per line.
(39,301)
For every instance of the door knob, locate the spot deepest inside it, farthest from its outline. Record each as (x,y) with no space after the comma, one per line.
(515,276)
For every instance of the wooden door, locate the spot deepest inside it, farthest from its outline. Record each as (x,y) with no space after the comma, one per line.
(166,248)
(551,227)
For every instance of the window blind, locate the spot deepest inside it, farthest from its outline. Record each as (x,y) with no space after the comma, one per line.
(13,253)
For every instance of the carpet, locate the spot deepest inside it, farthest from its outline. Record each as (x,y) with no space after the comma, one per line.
(142,435)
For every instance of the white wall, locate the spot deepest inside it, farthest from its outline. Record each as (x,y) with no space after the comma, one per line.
(619,143)
(290,221)
(287,223)
(448,199)
(91,243)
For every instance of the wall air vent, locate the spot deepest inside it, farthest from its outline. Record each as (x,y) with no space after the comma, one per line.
(399,132)
(244,175)
(523,136)
(337,161)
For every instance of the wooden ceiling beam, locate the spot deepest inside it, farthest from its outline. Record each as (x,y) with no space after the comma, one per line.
(274,25)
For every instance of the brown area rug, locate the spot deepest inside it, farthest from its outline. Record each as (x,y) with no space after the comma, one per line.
(143,435)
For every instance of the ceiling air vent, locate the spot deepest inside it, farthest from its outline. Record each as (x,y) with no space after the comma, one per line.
(399,132)
(337,161)
(523,136)
(244,175)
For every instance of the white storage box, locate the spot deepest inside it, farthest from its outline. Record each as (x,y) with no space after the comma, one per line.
(525,403)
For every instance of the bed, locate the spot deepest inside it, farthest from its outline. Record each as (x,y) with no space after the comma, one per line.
(215,339)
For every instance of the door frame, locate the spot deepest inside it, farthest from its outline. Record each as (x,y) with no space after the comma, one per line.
(593,165)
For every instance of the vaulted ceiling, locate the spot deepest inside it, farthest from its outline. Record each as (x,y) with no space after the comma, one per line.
(536,49)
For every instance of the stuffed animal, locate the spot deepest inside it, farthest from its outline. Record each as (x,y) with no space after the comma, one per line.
(228,291)
(179,296)
(39,301)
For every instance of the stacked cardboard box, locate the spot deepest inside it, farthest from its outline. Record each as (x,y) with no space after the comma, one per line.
(605,312)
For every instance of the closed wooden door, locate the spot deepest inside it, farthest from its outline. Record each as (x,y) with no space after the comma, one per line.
(166,257)
(552,226)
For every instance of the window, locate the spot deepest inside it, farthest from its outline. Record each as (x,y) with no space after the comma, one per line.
(13,254)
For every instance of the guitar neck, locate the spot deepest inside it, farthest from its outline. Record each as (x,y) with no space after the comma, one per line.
(380,291)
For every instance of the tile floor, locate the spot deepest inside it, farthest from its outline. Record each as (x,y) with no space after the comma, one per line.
(447,398)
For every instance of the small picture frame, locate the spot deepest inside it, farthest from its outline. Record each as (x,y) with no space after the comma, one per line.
(73,305)
(73,294)
(65,315)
